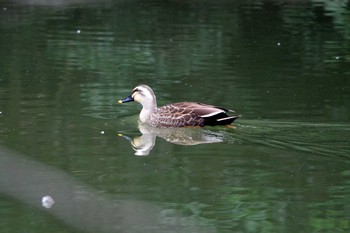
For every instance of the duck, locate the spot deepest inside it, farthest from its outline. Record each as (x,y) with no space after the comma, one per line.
(181,114)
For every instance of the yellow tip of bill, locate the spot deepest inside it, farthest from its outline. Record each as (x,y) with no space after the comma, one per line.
(120,101)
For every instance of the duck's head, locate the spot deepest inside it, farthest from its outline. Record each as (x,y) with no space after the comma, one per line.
(142,94)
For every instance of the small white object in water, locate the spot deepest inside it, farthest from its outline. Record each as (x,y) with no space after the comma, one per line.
(47,202)
(102,132)
(278,43)
(78,31)
(337,57)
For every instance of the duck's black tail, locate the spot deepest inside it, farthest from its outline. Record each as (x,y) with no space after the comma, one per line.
(220,119)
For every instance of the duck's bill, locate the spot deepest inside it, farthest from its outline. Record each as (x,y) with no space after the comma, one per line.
(127,99)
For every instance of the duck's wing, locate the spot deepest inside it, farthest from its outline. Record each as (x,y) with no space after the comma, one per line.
(214,115)
(203,110)
(177,115)
(196,114)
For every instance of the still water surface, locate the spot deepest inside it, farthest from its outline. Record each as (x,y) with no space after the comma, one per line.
(282,65)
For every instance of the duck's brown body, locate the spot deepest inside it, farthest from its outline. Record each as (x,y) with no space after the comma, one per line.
(190,114)
(180,114)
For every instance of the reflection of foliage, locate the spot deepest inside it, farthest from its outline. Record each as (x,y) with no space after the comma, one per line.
(329,223)
(180,40)
(191,213)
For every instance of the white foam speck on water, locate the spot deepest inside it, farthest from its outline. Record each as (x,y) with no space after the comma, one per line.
(47,201)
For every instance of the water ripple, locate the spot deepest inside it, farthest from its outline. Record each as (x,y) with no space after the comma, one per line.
(310,137)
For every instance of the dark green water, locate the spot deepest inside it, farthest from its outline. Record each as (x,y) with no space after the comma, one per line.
(282,65)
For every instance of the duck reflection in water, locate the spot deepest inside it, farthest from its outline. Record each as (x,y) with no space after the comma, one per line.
(143,144)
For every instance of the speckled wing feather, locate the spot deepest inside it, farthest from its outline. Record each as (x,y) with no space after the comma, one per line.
(188,114)
(177,115)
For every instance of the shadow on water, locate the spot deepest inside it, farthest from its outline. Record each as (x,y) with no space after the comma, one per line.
(79,205)
(316,138)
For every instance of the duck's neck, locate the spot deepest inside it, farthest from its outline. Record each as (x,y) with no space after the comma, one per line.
(147,110)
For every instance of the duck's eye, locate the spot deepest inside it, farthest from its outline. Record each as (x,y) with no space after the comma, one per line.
(135,90)
(137,93)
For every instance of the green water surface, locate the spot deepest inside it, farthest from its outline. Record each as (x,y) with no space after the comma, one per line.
(282,65)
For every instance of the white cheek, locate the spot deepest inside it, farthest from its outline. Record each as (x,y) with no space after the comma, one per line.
(137,98)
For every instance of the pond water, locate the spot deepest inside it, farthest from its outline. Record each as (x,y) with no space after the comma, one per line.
(73,160)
